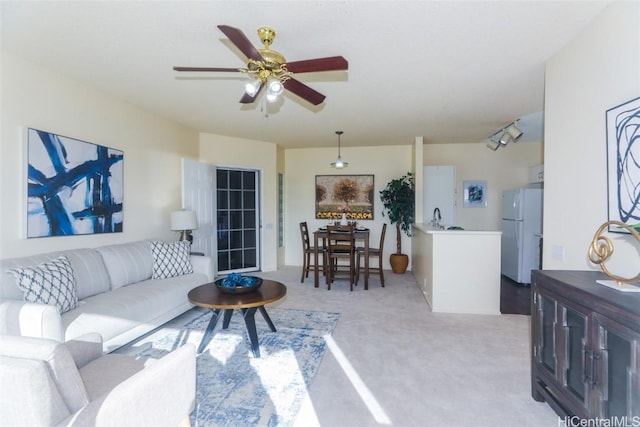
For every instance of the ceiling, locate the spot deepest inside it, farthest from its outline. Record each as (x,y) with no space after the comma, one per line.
(449,71)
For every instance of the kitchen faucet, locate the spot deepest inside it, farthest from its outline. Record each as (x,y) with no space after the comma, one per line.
(436,217)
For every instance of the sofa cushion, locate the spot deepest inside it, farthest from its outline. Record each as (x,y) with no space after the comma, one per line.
(127,263)
(103,374)
(121,310)
(52,282)
(88,267)
(91,274)
(171,259)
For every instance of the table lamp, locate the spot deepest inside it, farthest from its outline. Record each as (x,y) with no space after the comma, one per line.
(184,221)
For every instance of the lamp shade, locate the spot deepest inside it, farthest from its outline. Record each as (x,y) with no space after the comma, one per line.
(184,220)
(339,163)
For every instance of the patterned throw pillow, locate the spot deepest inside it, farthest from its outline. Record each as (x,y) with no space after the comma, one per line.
(52,282)
(170,259)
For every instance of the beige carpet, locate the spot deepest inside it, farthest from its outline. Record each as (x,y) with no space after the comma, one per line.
(393,362)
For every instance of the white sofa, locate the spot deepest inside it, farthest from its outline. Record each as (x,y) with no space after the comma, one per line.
(117,296)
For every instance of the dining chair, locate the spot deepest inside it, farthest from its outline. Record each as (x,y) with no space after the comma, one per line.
(307,253)
(373,252)
(341,247)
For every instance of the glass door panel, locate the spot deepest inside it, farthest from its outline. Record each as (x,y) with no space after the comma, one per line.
(547,308)
(238,220)
(618,364)
(574,330)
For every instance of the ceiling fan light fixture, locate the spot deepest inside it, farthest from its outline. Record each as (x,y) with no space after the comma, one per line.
(267,64)
(274,90)
(339,163)
(252,87)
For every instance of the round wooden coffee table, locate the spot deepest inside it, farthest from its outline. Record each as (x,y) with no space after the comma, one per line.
(209,296)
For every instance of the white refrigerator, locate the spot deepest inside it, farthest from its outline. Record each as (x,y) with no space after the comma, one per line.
(521,233)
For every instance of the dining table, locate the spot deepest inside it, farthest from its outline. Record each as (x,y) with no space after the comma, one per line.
(360,234)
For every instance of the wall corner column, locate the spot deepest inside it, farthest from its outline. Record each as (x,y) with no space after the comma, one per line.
(418,175)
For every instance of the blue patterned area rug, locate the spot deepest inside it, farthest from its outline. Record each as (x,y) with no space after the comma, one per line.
(233,387)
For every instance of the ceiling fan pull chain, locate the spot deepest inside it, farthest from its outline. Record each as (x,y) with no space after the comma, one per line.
(264,107)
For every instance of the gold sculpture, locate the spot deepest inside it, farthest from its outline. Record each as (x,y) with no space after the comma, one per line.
(601,249)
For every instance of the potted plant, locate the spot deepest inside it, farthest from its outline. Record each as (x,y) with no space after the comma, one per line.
(398,199)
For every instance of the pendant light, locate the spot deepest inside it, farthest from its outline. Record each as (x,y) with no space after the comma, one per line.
(339,163)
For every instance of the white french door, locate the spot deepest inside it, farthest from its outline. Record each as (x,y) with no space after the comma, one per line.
(198,194)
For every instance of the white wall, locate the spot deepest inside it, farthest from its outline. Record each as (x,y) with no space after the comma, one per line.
(37,98)
(598,70)
(302,165)
(236,152)
(506,168)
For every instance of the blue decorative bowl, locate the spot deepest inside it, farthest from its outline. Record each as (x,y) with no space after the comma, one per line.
(238,284)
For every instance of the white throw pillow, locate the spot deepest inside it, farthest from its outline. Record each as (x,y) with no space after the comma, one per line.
(171,259)
(52,282)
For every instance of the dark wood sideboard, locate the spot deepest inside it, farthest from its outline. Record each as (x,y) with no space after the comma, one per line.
(585,345)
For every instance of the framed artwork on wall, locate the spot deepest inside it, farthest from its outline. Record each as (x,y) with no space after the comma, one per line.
(73,187)
(623,164)
(349,194)
(474,194)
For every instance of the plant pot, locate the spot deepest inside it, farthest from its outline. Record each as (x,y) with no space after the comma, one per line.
(399,263)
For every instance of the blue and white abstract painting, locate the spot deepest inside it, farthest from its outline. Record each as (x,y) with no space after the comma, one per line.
(74,187)
(475,194)
(623,163)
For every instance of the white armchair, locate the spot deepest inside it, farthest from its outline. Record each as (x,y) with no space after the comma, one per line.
(48,383)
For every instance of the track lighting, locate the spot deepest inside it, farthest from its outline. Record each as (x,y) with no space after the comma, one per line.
(339,163)
(504,136)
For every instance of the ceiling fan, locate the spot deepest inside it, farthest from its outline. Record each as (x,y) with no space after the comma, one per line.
(271,69)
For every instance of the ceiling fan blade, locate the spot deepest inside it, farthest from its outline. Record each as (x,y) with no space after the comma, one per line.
(304,91)
(226,70)
(331,63)
(241,41)
(248,99)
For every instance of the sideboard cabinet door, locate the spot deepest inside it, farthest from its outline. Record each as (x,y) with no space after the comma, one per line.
(617,365)
(573,352)
(546,339)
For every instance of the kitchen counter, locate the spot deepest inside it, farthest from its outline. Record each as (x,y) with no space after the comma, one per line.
(427,228)
(458,271)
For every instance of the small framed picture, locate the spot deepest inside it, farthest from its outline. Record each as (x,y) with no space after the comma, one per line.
(474,194)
